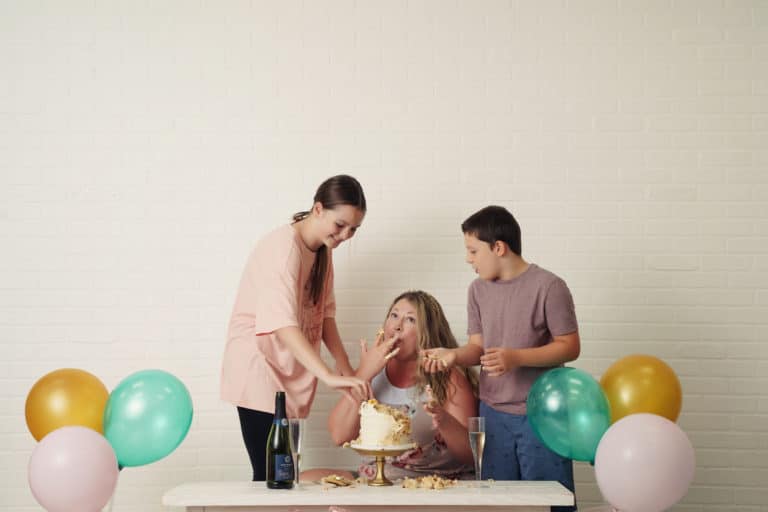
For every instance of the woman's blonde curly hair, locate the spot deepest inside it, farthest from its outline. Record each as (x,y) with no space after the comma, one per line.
(434,332)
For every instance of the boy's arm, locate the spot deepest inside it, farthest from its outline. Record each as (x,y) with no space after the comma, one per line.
(443,359)
(564,348)
(469,354)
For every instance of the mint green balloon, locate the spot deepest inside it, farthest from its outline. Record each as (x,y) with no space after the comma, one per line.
(147,416)
(568,411)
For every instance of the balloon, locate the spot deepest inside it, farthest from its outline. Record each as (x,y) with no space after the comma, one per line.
(147,416)
(65,397)
(641,383)
(644,463)
(73,469)
(568,412)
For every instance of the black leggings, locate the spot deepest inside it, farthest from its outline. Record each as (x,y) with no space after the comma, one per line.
(255,426)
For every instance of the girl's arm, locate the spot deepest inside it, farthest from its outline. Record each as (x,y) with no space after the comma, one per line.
(344,421)
(451,418)
(332,341)
(293,338)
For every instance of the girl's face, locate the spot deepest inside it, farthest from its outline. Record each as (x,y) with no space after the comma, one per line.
(338,224)
(403,320)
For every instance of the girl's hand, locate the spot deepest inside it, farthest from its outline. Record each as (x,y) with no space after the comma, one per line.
(373,359)
(497,361)
(436,360)
(355,389)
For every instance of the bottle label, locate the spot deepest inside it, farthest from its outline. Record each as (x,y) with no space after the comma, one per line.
(283,465)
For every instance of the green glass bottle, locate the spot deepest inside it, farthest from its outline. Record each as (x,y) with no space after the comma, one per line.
(280,469)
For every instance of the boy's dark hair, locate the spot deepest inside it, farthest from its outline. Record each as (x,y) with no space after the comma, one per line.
(494,224)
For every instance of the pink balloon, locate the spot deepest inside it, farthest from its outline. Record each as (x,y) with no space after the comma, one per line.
(644,463)
(73,469)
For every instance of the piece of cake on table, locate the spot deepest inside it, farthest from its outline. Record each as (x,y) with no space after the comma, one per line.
(382,426)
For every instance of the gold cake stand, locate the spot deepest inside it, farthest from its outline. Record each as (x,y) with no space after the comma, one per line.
(380,454)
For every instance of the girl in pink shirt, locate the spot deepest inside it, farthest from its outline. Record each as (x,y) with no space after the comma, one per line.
(285,305)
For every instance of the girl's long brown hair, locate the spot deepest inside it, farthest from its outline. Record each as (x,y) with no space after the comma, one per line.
(335,191)
(434,332)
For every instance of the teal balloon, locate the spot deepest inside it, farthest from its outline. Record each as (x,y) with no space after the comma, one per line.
(568,411)
(147,416)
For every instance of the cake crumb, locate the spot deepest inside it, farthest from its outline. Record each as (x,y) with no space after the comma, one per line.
(428,482)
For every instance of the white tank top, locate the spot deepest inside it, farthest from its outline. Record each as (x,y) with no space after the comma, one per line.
(431,455)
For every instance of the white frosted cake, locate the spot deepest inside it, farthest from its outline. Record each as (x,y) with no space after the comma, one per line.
(382,426)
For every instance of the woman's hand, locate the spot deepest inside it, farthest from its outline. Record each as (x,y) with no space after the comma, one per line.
(437,412)
(373,359)
(436,360)
(434,409)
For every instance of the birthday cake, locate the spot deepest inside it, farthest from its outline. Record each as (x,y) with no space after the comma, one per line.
(382,426)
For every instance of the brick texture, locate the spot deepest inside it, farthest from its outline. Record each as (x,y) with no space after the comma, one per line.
(145,146)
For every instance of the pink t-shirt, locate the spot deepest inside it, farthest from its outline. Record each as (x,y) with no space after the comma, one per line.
(274,293)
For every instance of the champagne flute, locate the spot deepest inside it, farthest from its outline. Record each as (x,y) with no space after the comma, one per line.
(296,427)
(476,429)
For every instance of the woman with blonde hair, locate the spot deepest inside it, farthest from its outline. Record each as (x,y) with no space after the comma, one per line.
(438,403)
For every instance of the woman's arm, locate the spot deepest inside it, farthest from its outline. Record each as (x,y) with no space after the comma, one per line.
(451,418)
(332,341)
(344,420)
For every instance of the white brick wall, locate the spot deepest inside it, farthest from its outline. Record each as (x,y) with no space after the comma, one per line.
(144,146)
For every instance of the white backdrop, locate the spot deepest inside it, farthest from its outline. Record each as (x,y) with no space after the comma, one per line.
(145,146)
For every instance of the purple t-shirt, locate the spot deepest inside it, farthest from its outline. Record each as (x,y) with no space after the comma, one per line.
(526,311)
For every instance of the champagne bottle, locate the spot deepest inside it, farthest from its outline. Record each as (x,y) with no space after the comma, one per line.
(279,456)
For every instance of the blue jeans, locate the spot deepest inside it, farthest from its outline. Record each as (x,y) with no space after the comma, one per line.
(513,452)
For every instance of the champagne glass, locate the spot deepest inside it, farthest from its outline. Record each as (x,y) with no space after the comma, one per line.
(296,427)
(476,429)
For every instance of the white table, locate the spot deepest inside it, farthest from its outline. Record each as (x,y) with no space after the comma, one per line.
(309,497)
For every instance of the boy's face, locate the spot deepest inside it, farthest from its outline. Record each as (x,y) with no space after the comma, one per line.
(482,257)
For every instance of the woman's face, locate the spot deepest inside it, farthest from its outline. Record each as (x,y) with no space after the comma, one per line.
(403,320)
(337,225)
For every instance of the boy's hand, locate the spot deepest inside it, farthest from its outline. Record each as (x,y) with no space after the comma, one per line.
(436,360)
(497,361)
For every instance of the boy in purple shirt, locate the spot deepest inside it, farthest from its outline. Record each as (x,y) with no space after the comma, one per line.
(522,322)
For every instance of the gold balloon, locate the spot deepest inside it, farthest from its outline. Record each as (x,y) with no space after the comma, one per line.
(66,397)
(641,383)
